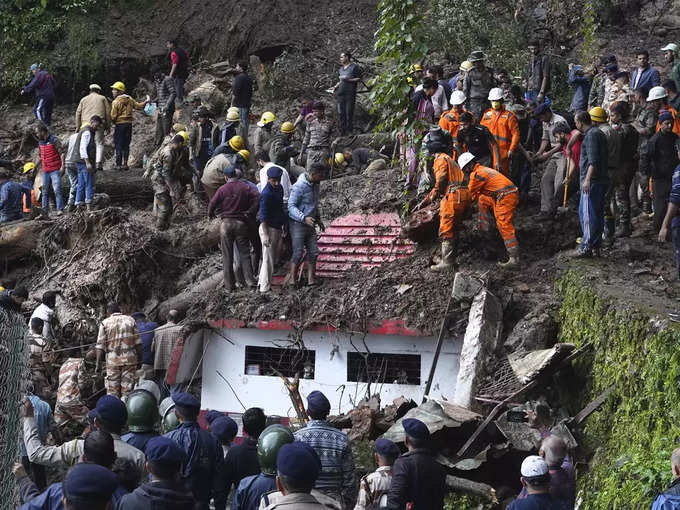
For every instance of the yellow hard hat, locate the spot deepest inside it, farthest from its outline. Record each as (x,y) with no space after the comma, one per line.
(28,167)
(184,135)
(410,81)
(236,143)
(119,85)
(339,158)
(267,118)
(597,114)
(245,154)
(178,127)
(288,127)
(465,66)
(233,116)
(416,67)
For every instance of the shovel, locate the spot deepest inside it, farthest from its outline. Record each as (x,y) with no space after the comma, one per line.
(564,207)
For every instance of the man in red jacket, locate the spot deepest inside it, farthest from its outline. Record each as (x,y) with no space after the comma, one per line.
(235,202)
(51,154)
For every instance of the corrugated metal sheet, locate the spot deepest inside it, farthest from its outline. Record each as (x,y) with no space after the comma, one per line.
(361,241)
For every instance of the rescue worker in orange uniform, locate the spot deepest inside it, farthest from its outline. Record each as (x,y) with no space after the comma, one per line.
(504,127)
(497,195)
(659,98)
(455,199)
(450,119)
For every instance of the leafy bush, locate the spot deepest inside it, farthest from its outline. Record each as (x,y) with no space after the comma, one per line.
(635,431)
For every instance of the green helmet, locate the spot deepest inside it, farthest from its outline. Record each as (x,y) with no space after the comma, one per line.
(142,411)
(271,439)
(169,420)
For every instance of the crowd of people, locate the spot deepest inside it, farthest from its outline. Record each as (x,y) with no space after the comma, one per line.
(616,147)
(481,138)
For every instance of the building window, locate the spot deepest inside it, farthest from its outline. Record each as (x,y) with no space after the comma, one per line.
(383,368)
(274,361)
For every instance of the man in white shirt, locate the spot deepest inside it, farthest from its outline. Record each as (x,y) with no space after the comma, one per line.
(45,311)
(264,164)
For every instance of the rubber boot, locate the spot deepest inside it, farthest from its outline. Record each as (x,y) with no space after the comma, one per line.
(447,260)
(624,230)
(513,260)
(609,231)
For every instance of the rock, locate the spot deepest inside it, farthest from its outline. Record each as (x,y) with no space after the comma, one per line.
(211,96)
(466,287)
(537,330)
(482,335)
(363,420)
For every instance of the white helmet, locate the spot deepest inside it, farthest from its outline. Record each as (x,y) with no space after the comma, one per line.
(496,94)
(656,93)
(670,47)
(457,98)
(464,159)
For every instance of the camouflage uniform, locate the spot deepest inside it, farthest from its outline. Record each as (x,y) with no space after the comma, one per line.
(373,487)
(118,338)
(39,362)
(476,86)
(596,95)
(165,185)
(317,142)
(647,117)
(70,403)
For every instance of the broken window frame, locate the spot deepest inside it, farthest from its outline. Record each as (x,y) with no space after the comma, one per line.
(383,367)
(277,361)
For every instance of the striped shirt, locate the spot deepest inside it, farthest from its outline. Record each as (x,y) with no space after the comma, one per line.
(337,462)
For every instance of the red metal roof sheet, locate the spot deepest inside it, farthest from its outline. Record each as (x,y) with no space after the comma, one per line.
(361,241)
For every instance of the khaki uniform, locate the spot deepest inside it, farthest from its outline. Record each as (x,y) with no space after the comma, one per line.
(373,487)
(118,338)
(164,172)
(213,173)
(298,501)
(71,453)
(317,142)
(70,404)
(39,363)
(263,139)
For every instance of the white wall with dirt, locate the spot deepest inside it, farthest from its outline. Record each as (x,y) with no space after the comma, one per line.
(401,363)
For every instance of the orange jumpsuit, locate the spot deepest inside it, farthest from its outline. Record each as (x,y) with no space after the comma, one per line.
(450,121)
(505,129)
(676,119)
(498,195)
(456,197)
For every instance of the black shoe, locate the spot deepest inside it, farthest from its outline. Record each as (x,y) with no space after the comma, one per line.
(544,216)
(624,230)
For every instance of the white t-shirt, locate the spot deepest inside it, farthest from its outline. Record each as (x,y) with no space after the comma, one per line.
(285,180)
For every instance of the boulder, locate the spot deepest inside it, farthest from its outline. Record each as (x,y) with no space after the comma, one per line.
(211,96)
(537,330)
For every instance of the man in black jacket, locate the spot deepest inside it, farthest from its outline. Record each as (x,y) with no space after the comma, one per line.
(416,476)
(163,460)
(241,460)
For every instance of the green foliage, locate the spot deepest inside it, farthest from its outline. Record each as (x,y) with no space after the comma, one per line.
(588,30)
(455,501)
(399,43)
(31,30)
(635,431)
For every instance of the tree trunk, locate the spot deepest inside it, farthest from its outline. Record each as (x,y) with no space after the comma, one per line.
(478,489)
(18,239)
(181,302)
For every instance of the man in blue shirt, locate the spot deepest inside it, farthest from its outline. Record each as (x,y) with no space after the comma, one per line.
(303,212)
(337,478)
(645,75)
(581,85)
(146,330)
(42,85)
(672,221)
(594,181)
(536,480)
(11,194)
(272,219)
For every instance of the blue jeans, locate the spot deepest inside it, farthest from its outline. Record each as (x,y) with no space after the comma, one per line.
(243,116)
(591,216)
(531,95)
(675,234)
(303,237)
(85,184)
(51,180)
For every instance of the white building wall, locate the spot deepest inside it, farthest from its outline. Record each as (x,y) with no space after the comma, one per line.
(330,370)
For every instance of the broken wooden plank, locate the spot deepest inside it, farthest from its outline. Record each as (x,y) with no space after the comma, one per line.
(592,407)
